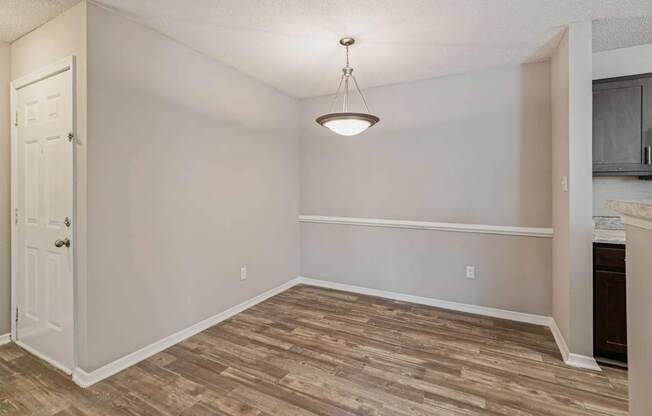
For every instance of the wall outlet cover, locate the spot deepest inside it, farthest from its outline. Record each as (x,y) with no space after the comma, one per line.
(470,272)
(243,273)
(564,183)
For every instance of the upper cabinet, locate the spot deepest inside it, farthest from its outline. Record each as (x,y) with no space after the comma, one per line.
(622,126)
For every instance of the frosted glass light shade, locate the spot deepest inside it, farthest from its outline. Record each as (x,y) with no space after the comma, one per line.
(347,124)
(347,127)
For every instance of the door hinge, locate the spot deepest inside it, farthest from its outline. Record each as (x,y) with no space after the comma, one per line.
(16,120)
(16,216)
(16,323)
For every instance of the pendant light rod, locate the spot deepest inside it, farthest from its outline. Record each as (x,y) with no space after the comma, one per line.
(347,70)
(355,81)
(345,106)
(337,92)
(347,75)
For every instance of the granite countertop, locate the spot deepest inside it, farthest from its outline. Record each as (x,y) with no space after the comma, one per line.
(639,209)
(608,230)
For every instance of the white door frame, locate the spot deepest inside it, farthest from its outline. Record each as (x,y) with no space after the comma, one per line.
(36,76)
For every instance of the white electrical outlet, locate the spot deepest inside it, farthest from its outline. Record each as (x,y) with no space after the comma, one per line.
(470,272)
(243,273)
(564,183)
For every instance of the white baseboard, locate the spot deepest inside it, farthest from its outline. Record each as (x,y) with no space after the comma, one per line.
(43,357)
(86,379)
(571,359)
(582,361)
(559,339)
(6,339)
(445,304)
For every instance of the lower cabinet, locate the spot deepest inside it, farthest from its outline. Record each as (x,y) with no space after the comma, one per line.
(609,302)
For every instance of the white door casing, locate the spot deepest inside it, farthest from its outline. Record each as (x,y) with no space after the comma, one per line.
(43,213)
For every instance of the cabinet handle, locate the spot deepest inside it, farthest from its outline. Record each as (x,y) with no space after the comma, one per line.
(648,155)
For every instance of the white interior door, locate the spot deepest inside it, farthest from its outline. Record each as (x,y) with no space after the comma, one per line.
(44,206)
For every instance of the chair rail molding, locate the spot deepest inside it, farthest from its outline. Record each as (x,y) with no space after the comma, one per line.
(426,225)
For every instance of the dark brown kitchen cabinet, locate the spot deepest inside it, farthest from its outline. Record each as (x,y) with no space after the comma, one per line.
(609,302)
(622,126)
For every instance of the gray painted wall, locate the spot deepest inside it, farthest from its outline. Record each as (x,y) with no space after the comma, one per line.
(580,178)
(572,211)
(513,273)
(5,192)
(191,175)
(472,148)
(560,205)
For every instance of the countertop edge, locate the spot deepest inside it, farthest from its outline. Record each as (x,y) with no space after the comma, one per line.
(636,213)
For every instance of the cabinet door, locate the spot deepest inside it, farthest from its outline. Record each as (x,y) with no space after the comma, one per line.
(647,123)
(610,315)
(618,138)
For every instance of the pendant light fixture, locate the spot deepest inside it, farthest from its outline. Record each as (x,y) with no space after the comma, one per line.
(347,123)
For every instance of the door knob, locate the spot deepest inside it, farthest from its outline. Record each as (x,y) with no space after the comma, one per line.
(61,243)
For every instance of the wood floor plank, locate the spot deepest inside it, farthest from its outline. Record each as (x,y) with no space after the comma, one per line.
(321,352)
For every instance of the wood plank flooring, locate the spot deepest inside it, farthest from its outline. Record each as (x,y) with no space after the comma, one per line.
(312,351)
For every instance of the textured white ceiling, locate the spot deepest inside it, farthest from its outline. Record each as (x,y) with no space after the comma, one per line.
(18,17)
(621,33)
(292,44)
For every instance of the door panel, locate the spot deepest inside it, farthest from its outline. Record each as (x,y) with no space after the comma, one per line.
(32,161)
(44,286)
(31,284)
(53,278)
(55,207)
